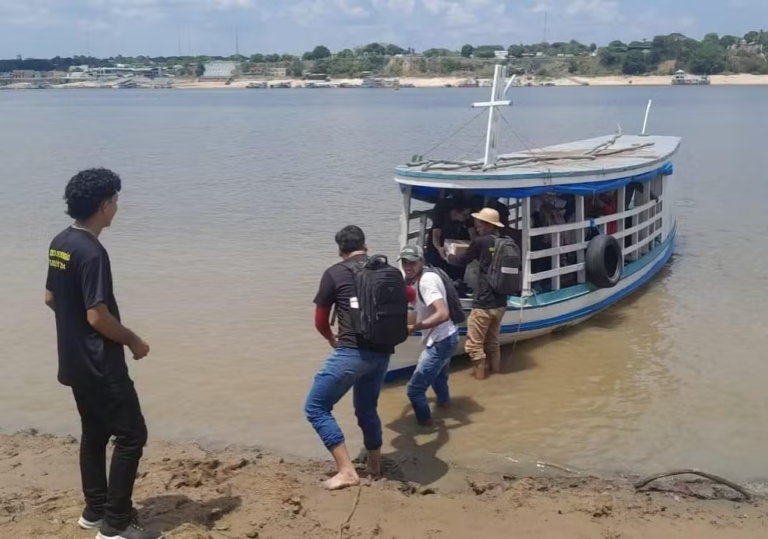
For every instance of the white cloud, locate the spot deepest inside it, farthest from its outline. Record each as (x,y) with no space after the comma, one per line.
(399,6)
(232,3)
(52,26)
(435,6)
(464,13)
(352,8)
(596,10)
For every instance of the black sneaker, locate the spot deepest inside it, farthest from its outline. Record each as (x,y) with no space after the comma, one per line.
(90,520)
(133,531)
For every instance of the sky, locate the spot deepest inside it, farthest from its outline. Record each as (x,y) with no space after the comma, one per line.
(105,28)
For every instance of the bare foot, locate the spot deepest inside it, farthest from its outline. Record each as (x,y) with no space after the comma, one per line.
(374,464)
(342,480)
(480,372)
(443,405)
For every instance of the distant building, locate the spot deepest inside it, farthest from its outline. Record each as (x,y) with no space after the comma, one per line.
(637,46)
(316,77)
(25,74)
(220,70)
(277,72)
(748,48)
(501,55)
(124,71)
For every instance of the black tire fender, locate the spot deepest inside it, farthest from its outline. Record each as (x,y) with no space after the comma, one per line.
(604,261)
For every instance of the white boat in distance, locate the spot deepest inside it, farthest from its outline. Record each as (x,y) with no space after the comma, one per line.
(582,276)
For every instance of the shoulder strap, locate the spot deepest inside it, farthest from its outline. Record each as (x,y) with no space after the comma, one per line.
(354,267)
(418,283)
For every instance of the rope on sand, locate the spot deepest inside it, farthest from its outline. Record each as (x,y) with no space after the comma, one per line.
(717,479)
(345,524)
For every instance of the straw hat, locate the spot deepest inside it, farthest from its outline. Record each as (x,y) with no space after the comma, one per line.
(488,215)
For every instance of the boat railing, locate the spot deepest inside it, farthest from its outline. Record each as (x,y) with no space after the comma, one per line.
(637,228)
(646,226)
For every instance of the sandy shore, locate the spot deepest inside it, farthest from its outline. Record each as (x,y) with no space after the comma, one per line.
(441,82)
(195,494)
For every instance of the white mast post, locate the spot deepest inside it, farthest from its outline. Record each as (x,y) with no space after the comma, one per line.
(647,112)
(405,217)
(497,95)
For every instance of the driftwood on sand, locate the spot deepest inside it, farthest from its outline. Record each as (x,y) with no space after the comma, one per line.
(345,524)
(717,479)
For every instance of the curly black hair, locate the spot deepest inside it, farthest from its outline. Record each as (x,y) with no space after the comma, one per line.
(350,239)
(87,190)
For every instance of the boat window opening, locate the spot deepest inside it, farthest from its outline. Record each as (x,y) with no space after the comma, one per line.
(452,205)
(561,227)
(553,239)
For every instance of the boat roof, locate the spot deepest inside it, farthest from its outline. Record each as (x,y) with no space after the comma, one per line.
(598,159)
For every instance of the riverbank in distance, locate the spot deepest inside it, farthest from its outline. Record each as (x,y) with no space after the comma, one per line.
(404,82)
(192,493)
(462,82)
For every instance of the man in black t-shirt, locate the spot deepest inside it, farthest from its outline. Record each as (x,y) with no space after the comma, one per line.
(91,341)
(354,364)
(488,307)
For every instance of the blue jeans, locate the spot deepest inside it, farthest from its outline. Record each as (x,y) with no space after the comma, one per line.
(432,370)
(345,369)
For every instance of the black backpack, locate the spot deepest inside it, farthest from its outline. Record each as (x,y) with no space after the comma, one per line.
(379,308)
(453,300)
(504,275)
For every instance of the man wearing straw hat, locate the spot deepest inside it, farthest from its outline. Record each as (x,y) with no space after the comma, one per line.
(488,306)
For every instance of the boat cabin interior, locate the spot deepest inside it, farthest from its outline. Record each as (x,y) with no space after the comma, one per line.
(552,227)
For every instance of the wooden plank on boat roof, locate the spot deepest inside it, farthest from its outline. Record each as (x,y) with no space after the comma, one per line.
(650,149)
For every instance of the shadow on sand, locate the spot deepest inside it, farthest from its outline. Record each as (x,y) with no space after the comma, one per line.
(174,510)
(416,460)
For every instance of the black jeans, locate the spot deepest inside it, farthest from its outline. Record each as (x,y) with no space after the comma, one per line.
(106,410)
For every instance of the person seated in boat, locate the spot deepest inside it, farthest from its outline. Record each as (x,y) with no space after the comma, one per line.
(602,205)
(450,221)
(488,307)
(549,210)
(478,202)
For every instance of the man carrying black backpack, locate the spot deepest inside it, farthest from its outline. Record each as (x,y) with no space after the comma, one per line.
(499,277)
(371,302)
(434,317)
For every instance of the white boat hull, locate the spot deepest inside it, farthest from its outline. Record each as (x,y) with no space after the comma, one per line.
(562,309)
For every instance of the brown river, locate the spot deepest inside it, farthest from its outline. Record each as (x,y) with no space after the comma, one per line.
(230,203)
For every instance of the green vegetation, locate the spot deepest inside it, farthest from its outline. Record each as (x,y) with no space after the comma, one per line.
(662,55)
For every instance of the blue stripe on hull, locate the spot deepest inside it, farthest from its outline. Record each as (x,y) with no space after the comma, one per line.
(573,315)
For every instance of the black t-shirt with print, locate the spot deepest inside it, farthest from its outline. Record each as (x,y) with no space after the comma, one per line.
(337,286)
(80,278)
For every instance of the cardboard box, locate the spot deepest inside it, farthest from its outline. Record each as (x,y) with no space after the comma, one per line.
(456,247)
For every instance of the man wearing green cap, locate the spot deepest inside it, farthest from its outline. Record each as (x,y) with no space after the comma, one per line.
(439,334)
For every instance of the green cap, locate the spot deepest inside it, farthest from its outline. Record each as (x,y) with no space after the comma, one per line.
(411,253)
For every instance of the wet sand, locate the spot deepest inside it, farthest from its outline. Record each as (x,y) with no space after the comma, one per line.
(191,493)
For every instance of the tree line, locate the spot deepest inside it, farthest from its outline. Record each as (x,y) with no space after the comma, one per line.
(711,55)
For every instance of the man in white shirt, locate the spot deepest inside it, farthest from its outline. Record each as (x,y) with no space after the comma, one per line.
(439,334)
